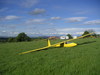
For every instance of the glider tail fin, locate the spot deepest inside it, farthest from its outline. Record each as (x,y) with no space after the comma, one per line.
(48,41)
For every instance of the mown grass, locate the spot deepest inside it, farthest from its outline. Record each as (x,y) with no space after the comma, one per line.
(83,59)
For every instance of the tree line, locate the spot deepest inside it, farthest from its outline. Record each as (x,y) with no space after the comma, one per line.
(85,32)
(23,37)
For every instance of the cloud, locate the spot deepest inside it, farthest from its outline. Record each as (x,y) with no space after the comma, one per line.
(22,3)
(35,20)
(93,22)
(55,18)
(9,17)
(3,9)
(8,33)
(76,30)
(75,19)
(65,31)
(81,12)
(3,31)
(38,11)
(50,32)
(28,3)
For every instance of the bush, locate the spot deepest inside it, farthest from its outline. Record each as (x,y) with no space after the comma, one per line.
(11,39)
(70,36)
(22,37)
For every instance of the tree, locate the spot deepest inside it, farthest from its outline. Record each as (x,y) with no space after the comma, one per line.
(70,36)
(92,31)
(22,37)
(11,39)
(85,32)
(89,31)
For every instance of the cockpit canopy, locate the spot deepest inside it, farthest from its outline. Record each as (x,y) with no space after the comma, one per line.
(68,42)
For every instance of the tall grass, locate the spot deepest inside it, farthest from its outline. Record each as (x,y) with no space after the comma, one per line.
(83,59)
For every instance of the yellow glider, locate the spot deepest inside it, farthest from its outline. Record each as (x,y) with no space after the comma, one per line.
(60,44)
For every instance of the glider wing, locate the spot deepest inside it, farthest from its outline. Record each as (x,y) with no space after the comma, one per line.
(34,50)
(54,44)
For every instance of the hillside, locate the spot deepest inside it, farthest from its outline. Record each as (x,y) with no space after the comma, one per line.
(83,59)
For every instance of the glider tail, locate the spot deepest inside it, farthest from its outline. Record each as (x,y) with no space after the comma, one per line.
(48,41)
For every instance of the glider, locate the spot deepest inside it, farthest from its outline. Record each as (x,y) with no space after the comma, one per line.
(60,44)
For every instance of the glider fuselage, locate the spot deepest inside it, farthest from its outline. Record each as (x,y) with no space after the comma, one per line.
(62,44)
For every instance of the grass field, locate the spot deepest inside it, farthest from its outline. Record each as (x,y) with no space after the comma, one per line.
(83,59)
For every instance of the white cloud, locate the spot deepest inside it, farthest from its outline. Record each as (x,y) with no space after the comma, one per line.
(22,3)
(29,3)
(3,9)
(50,32)
(35,20)
(81,12)
(75,19)
(9,17)
(55,18)
(38,22)
(38,11)
(93,22)
(76,30)
(8,33)
(3,31)
(98,32)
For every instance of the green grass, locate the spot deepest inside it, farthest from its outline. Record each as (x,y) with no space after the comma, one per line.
(83,59)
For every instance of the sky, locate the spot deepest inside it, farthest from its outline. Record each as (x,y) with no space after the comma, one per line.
(49,17)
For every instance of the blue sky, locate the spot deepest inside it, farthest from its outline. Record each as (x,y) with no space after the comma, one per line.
(49,17)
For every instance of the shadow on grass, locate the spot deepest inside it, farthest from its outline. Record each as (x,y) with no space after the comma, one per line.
(87,42)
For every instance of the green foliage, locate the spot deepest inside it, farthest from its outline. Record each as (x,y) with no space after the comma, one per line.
(70,36)
(89,31)
(2,39)
(86,32)
(39,38)
(95,35)
(22,37)
(98,35)
(11,39)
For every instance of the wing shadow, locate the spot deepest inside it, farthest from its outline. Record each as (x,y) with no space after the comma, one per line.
(87,42)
